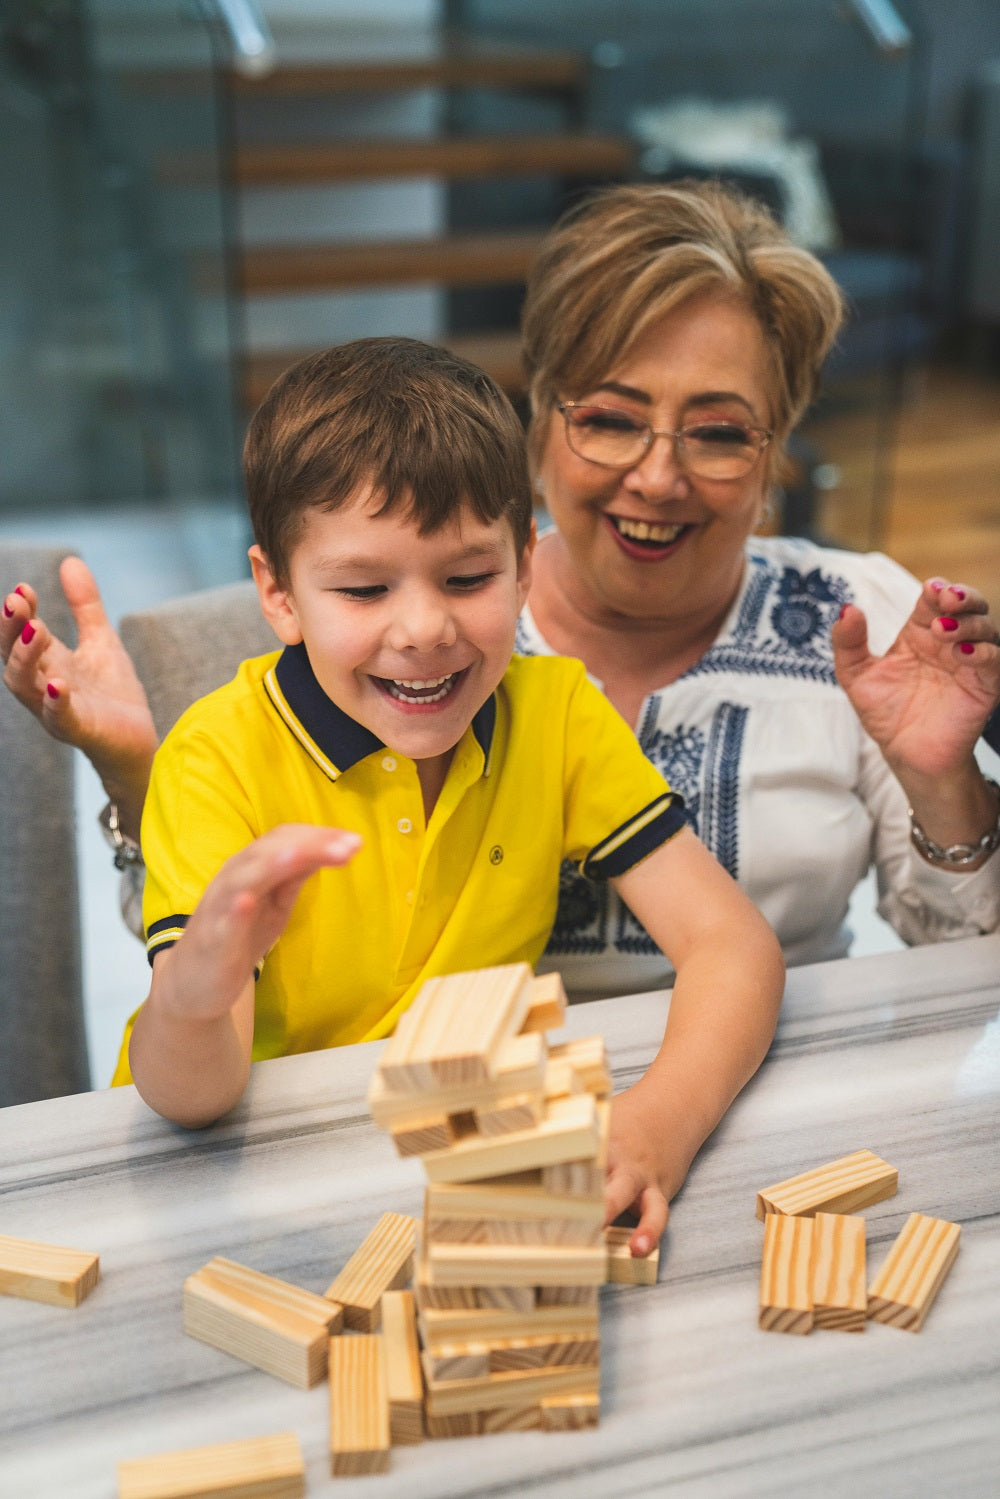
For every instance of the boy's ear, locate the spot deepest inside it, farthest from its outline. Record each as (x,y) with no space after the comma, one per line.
(524,566)
(276,603)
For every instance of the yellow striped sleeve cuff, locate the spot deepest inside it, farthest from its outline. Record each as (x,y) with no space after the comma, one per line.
(645,831)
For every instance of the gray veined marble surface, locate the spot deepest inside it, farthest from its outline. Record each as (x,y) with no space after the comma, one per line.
(899,1053)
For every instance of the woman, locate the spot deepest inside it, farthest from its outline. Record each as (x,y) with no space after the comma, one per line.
(673,338)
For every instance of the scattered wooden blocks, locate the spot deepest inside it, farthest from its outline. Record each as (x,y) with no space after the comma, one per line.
(257,1468)
(404,1378)
(786,1303)
(359,1407)
(46,1272)
(623,1268)
(855,1181)
(913,1272)
(837,1274)
(383,1262)
(267,1322)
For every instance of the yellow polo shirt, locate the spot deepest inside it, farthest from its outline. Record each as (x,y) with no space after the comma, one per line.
(547,770)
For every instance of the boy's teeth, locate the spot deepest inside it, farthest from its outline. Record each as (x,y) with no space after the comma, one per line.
(418,683)
(641,530)
(421,689)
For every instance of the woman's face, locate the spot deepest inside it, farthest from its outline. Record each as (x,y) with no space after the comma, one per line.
(654,540)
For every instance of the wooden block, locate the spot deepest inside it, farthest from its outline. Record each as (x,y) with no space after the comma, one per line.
(441,1327)
(837,1273)
(432,1132)
(269,1467)
(455,1028)
(842,1186)
(520,1068)
(913,1272)
(46,1272)
(515,1112)
(519,1299)
(511,1199)
(622,1268)
(465,1424)
(561,1081)
(517,1388)
(575,1296)
(383,1262)
(276,1326)
(359,1407)
(404,1378)
(512,1418)
(516,1264)
(579,1178)
(570,1412)
(537,1231)
(785,1283)
(547,1010)
(588,1059)
(543,1353)
(570,1131)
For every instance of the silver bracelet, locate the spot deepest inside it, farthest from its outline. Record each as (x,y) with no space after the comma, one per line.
(125,849)
(957,855)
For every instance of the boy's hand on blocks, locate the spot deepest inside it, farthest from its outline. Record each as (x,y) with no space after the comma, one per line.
(242,914)
(638,1174)
(89,697)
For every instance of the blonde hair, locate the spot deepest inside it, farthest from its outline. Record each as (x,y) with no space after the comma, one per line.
(625,256)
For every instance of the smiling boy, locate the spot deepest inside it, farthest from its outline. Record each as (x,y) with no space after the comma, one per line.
(390,796)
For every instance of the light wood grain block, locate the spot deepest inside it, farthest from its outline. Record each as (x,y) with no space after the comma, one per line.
(465,1424)
(382,1262)
(507,1298)
(569,1131)
(517,1111)
(276,1326)
(574,1178)
(537,1231)
(520,1068)
(441,1327)
(561,1081)
(516,1264)
(512,1418)
(455,1028)
(431,1132)
(841,1186)
(570,1296)
(359,1407)
(588,1059)
(47,1272)
(547,1009)
(403,1375)
(913,1272)
(543,1353)
(837,1274)
(786,1303)
(624,1268)
(269,1467)
(517,1388)
(484,1200)
(570,1412)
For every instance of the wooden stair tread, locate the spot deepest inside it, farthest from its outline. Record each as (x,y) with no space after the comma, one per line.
(497,353)
(457,260)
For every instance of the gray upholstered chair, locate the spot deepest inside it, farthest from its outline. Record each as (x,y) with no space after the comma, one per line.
(43,1043)
(190,645)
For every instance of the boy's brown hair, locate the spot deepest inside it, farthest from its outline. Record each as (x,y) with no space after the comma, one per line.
(423,427)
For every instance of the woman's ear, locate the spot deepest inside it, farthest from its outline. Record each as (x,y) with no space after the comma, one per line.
(276,602)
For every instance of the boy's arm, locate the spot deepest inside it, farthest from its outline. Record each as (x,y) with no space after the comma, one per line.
(723,1011)
(191,1044)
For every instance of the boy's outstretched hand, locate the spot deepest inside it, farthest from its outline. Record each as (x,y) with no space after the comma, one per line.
(635,1164)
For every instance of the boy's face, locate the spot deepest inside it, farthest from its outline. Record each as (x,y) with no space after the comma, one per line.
(408,634)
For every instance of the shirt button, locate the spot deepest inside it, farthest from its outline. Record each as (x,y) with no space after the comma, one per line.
(409,897)
(405,825)
(388,763)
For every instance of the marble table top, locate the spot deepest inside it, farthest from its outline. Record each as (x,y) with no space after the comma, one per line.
(899,1053)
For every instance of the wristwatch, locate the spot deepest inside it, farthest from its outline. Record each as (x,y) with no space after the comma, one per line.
(125,849)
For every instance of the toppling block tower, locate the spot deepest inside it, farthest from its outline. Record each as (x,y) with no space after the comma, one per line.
(513,1137)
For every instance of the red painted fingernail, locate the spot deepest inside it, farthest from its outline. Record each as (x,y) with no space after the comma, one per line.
(936,583)
(947,623)
(20,590)
(958,592)
(28,633)
(966,648)
(9,612)
(53,692)
(843,611)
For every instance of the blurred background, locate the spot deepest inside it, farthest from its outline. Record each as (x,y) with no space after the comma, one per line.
(197,192)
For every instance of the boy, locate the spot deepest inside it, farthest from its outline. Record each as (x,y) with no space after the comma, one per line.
(390,797)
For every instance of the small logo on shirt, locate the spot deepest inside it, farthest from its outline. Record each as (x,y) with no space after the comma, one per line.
(496,854)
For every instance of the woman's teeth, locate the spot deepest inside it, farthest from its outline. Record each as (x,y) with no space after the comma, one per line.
(419,690)
(641,530)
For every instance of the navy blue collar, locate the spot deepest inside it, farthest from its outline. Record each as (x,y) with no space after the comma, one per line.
(341,739)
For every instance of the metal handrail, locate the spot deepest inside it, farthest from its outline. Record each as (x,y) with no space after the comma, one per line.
(252,49)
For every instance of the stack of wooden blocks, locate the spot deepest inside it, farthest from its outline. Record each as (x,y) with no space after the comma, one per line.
(512,1133)
(813,1270)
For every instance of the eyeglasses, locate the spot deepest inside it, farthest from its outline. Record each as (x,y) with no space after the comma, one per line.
(709,450)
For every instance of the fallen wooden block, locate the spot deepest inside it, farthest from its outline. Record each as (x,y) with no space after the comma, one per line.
(403,1375)
(382,1262)
(913,1272)
(624,1269)
(255,1468)
(570,1412)
(570,1131)
(455,1027)
(520,1068)
(359,1407)
(786,1303)
(842,1186)
(47,1272)
(547,1007)
(276,1326)
(837,1273)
